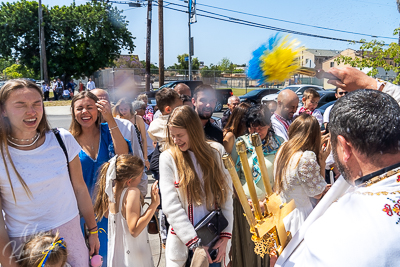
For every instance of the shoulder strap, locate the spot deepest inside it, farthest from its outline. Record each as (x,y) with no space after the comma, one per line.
(62,145)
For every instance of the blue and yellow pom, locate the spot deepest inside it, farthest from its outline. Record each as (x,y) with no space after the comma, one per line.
(275,61)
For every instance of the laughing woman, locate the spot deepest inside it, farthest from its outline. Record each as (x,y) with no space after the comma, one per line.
(36,192)
(193,181)
(99,142)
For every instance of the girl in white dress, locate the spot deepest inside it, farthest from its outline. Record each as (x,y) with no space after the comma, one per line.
(300,169)
(119,197)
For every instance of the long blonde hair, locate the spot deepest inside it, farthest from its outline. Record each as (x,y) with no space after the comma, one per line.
(215,188)
(304,135)
(5,127)
(75,128)
(120,102)
(127,167)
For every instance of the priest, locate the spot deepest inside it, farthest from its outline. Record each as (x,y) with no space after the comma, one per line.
(357,223)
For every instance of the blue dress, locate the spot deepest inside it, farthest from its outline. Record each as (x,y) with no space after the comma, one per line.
(90,169)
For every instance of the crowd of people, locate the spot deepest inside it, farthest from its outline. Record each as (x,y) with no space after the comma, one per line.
(61,92)
(67,196)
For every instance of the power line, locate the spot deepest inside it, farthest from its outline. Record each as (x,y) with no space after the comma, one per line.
(263,26)
(287,21)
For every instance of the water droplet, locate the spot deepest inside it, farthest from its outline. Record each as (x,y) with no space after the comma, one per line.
(348,130)
(381,152)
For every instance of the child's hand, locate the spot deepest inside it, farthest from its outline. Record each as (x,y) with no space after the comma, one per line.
(155,197)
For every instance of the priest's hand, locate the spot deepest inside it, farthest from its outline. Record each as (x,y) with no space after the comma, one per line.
(351,79)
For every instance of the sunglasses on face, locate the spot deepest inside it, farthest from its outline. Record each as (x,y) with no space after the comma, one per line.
(342,93)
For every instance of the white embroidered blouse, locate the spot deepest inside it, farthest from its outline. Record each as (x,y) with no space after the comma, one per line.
(302,181)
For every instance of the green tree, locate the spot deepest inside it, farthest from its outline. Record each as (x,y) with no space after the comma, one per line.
(376,54)
(184,65)
(212,71)
(152,66)
(18,71)
(79,39)
(226,65)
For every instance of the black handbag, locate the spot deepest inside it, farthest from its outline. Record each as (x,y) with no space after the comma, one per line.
(210,227)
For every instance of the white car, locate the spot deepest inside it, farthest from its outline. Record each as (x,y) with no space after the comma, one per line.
(297,88)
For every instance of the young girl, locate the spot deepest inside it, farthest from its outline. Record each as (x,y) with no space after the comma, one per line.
(193,182)
(300,169)
(119,198)
(44,250)
(310,103)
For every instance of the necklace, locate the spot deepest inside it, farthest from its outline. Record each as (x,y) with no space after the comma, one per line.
(23,140)
(28,145)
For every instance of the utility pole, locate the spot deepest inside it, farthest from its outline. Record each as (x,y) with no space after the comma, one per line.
(190,40)
(42,48)
(148,42)
(160,43)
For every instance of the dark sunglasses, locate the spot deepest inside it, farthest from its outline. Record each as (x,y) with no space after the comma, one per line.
(342,93)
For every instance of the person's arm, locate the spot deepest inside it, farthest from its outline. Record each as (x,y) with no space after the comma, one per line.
(84,202)
(7,257)
(137,222)
(311,175)
(171,202)
(120,144)
(229,142)
(142,129)
(351,79)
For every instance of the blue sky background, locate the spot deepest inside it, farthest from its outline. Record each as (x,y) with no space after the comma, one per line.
(214,39)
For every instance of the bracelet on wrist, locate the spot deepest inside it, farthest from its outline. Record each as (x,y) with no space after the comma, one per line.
(97,231)
(92,229)
(113,128)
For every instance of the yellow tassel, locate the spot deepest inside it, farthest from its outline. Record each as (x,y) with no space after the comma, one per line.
(282,61)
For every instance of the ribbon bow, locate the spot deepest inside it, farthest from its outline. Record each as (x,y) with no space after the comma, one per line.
(110,177)
(47,252)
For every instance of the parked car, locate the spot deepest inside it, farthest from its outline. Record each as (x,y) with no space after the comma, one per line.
(297,88)
(325,106)
(327,96)
(222,94)
(255,96)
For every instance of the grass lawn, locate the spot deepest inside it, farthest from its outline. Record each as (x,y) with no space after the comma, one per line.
(240,91)
(52,103)
(57,103)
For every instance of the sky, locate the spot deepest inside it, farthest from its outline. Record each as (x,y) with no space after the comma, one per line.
(215,39)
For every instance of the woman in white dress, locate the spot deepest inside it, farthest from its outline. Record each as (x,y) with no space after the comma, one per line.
(300,169)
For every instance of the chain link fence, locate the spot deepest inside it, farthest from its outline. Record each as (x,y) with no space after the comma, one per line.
(132,79)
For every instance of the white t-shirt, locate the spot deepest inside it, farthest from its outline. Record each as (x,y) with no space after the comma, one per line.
(90,85)
(327,113)
(44,170)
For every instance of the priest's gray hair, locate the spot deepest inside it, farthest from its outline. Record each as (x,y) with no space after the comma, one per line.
(369,120)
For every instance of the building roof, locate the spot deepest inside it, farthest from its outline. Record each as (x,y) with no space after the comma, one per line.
(324,52)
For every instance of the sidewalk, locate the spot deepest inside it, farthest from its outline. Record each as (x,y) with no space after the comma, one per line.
(58,110)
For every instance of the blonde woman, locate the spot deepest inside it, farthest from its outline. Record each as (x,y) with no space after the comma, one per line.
(39,189)
(193,182)
(127,110)
(300,169)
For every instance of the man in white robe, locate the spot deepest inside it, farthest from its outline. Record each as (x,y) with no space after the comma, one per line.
(357,223)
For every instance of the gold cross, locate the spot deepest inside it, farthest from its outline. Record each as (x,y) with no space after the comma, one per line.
(274,220)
